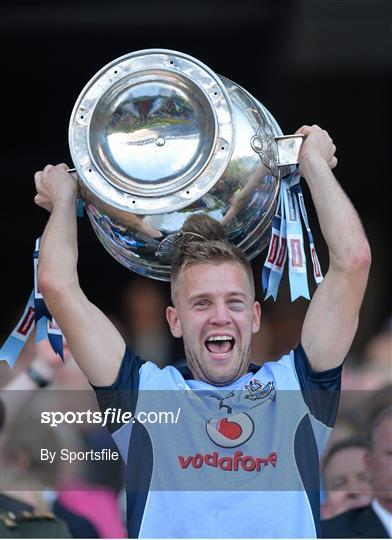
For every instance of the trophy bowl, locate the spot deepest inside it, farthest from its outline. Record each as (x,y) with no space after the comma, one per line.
(156,136)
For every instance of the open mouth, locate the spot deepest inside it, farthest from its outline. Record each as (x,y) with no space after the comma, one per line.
(220,346)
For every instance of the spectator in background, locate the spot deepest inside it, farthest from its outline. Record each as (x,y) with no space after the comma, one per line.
(18,518)
(345,478)
(7,502)
(87,500)
(24,476)
(145,328)
(374,371)
(379,348)
(29,479)
(375,519)
(345,428)
(90,503)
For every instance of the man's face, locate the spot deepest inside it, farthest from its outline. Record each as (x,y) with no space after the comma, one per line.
(215,314)
(346,481)
(379,461)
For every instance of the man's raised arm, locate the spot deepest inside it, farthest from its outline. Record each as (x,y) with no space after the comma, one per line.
(332,317)
(93,340)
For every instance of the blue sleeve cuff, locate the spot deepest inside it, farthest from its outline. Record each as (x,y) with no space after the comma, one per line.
(123,393)
(320,389)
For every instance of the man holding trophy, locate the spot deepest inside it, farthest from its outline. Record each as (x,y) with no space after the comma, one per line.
(247,448)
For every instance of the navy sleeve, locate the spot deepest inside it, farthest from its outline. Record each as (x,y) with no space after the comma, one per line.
(320,389)
(123,393)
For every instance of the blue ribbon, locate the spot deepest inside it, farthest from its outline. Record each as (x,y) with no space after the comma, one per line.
(280,257)
(287,243)
(19,335)
(35,314)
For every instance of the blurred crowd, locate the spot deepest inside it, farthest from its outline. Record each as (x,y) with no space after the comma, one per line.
(88,500)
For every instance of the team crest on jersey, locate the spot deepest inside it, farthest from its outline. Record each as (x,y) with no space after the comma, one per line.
(230,431)
(221,399)
(258,390)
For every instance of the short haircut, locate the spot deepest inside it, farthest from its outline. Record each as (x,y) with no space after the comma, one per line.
(351,442)
(208,245)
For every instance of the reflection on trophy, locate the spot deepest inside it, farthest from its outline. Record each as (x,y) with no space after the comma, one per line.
(156,136)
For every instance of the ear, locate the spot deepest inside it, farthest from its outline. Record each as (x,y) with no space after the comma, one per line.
(256,317)
(174,321)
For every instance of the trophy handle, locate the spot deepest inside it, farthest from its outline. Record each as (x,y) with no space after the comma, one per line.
(278,151)
(288,147)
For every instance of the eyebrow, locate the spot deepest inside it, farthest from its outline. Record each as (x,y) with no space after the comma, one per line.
(208,294)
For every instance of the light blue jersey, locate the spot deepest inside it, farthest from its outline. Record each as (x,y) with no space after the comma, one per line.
(228,462)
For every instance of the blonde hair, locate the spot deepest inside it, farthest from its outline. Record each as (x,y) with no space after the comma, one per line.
(209,245)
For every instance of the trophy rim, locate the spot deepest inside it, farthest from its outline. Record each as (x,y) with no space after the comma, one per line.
(152,199)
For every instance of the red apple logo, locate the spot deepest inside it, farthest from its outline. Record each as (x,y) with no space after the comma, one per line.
(230,431)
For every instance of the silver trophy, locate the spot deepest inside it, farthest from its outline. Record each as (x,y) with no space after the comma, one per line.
(156,136)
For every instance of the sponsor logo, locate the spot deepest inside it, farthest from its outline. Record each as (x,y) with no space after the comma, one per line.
(229,463)
(316,264)
(258,390)
(230,431)
(27,322)
(282,253)
(296,254)
(273,248)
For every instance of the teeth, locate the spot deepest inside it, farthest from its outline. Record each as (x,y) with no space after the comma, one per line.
(220,338)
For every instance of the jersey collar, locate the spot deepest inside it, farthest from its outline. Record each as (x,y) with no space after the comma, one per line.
(186,372)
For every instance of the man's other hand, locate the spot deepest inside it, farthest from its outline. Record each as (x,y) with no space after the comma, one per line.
(318,145)
(54,183)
